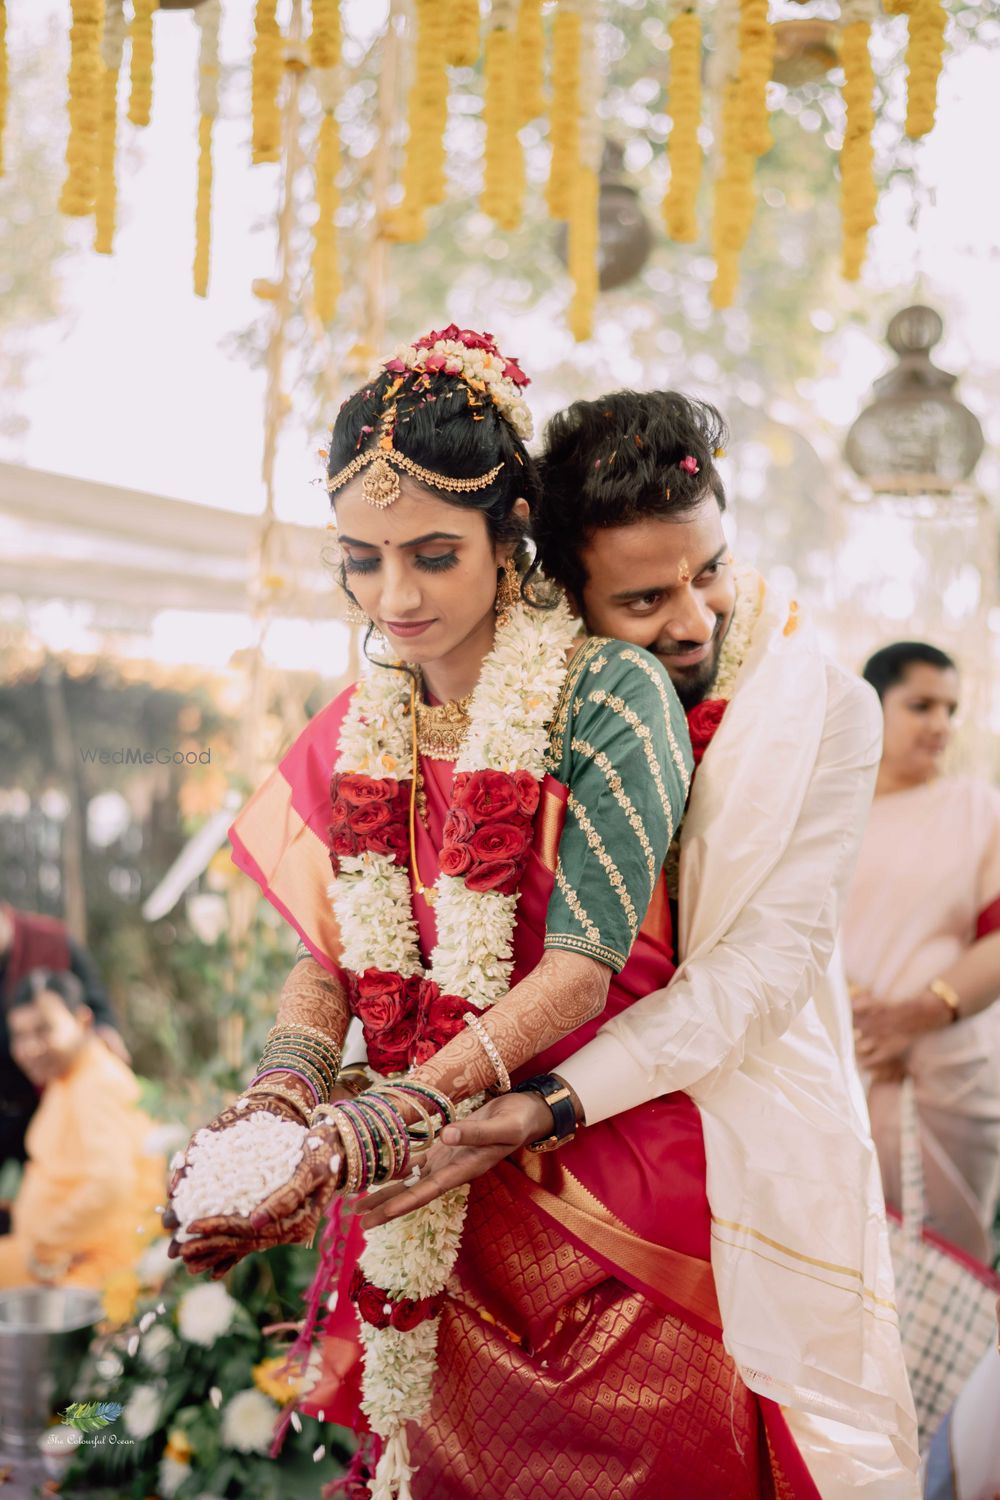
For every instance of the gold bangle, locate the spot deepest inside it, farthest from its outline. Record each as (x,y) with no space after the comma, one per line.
(305,1030)
(353,1080)
(948,993)
(263,1090)
(475,1024)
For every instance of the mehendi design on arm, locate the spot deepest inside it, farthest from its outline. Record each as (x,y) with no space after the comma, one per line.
(562,993)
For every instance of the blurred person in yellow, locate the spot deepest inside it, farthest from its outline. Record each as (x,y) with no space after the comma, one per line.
(88,1182)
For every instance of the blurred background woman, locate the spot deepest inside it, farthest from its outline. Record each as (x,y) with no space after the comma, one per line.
(922,948)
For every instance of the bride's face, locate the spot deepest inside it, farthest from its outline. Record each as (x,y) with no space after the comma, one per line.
(424,571)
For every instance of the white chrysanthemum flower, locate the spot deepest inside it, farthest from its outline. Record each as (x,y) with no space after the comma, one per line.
(171,1476)
(143,1411)
(155,1347)
(248,1422)
(205,1313)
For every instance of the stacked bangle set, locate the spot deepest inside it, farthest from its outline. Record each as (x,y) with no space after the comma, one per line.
(378,1143)
(302,1052)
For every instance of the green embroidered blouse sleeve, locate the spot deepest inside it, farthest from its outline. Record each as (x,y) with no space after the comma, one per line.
(620,744)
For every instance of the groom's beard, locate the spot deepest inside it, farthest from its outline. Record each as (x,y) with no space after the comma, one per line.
(694,683)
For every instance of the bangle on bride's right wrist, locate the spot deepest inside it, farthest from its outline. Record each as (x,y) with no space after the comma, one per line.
(942,990)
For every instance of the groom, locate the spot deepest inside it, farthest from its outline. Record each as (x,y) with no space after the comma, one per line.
(788,744)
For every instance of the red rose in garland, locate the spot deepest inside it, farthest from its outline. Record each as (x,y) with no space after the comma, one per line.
(703,721)
(528,792)
(380,1000)
(456,859)
(500,841)
(360,790)
(368,814)
(485,794)
(504,877)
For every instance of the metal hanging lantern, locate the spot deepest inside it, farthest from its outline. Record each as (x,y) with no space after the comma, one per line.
(624,236)
(916,434)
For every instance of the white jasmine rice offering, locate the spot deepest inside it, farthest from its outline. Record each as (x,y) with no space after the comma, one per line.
(231,1171)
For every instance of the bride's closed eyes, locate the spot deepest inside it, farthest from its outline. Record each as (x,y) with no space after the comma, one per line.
(437,564)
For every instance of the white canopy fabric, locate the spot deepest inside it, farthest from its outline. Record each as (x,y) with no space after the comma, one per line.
(128,551)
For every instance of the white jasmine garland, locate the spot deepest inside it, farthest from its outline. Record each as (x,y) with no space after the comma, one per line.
(205,1313)
(746,613)
(510,713)
(248,1422)
(472,364)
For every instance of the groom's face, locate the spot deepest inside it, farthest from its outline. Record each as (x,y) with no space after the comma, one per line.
(666,585)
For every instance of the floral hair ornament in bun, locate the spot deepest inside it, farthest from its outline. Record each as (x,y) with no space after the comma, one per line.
(471,357)
(689,464)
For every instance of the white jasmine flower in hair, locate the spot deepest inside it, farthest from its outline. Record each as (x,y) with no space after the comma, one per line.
(205,1313)
(154,1350)
(143,1411)
(172,1475)
(248,1422)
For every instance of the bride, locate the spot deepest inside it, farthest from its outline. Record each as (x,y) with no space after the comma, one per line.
(496,797)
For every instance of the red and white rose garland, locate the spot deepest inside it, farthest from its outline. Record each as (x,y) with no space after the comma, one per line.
(409,1010)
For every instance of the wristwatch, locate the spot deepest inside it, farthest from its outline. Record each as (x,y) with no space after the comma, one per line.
(559,1098)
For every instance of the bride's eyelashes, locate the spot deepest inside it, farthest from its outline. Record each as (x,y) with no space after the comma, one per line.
(438,564)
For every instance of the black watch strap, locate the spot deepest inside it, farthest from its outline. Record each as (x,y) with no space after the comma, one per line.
(558,1097)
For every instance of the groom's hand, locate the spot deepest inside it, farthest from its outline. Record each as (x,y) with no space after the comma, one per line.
(461,1153)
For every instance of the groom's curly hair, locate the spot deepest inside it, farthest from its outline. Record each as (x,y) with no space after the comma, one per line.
(616,461)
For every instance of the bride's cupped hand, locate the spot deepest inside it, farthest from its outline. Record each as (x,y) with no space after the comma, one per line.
(213,1244)
(461,1153)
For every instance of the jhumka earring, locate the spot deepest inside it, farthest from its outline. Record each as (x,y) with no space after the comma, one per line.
(355,615)
(508,592)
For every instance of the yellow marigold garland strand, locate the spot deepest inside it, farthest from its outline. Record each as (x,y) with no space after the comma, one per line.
(85,68)
(462,32)
(208,16)
(106,202)
(858,194)
(924,57)
(583,229)
(680,205)
(324,58)
(530,35)
(734,198)
(423,169)
(503,180)
(756,62)
(140,99)
(565,128)
(265,83)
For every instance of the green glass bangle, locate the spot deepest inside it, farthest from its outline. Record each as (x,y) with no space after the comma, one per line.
(303,1053)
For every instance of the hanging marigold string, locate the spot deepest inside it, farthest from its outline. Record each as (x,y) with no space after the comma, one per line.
(265,83)
(530,35)
(3,76)
(756,40)
(324,59)
(462,32)
(503,178)
(140,98)
(85,70)
(106,202)
(208,16)
(924,57)
(423,170)
(858,194)
(584,214)
(733,204)
(680,205)
(565,128)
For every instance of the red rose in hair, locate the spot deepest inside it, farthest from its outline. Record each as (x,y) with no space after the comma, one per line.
(512,370)
(457,826)
(360,790)
(703,720)
(455,859)
(485,795)
(497,841)
(372,1302)
(528,792)
(379,1000)
(503,877)
(369,818)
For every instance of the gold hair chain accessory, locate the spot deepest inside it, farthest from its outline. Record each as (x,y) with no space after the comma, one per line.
(380,486)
